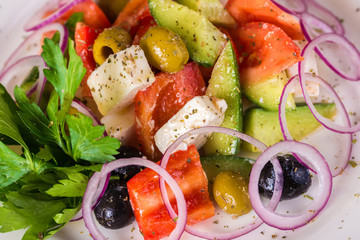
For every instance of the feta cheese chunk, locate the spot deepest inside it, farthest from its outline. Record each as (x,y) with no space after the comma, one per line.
(120,123)
(312,88)
(115,83)
(198,112)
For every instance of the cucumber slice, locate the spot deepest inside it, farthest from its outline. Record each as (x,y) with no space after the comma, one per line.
(203,40)
(267,94)
(213,10)
(225,84)
(264,125)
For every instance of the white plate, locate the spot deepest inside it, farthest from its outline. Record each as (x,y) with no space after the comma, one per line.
(339,220)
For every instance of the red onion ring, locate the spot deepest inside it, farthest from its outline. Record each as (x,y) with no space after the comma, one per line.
(86,111)
(310,22)
(37,21)
(346,45)
(243,230)
(100,191)
(327,16)
(32,44)
(94,181)
(288,222)
(8,76)
(293,7)
(341,110)
(324,121)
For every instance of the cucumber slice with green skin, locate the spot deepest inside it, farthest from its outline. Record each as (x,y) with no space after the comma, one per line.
(266,94)
(213,10)
(203,40)
(225,84)
(264,125)
(213,165)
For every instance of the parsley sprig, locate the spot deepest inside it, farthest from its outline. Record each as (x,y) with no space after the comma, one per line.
(44,174)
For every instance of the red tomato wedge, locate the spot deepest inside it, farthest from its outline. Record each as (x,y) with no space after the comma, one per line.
(265,50)
(143,27)
(84,39)
(244,11)
(163,99)
(93,15)
(130,16)
(145,196)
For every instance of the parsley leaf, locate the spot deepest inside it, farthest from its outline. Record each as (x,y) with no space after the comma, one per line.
(12,166)
(35,211)
(87,141)
(74,186)
(65,80)
(66,215)
(9,121)
(34,118)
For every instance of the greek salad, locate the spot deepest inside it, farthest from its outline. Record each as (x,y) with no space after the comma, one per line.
(188,119)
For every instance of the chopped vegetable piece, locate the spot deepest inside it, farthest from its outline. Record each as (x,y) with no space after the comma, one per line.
(163,99)
(203,40)
(93,15)
(264,125)
(130,16)
(245,11)
(84,39)
(266,51)
(225,84)
(150,212)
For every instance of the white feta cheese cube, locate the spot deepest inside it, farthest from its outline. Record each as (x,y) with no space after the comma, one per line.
(115,83)
(120,123)
(198,112)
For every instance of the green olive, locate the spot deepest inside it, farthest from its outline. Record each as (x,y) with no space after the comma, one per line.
(230,191)
(164,49)
(111,40)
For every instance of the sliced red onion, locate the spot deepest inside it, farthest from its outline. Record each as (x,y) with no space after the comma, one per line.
(312,26)
(327,123)
(243,230)
(37,20)
(100,191)
(293,7)
(325,15)
(308,154)
(350,52)
(32,90)
(86,111)
(347,149)
(15,74)
(90,195)
(32,44)
(102,186)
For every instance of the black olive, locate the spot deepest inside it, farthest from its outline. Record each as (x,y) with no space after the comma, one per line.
(297,179)
(128,152)
(114,210)
(126,173)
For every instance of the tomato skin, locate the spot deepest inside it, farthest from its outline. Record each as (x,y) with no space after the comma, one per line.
(186,84)
(159,102)
(93,15)
(84,39)
(244,11)
(142,28)
(131,15)
(265,51)
(145,196)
